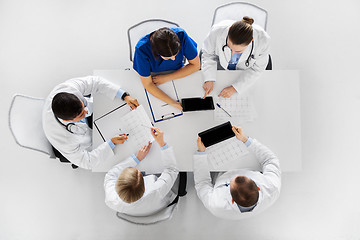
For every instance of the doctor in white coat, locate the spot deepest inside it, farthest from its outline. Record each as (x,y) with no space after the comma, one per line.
(128,191)
(238,194)
(65,124)
(231,45)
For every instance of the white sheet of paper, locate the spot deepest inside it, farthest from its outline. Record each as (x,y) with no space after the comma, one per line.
(125,120)
(240,107)
(161,109)
(226,151)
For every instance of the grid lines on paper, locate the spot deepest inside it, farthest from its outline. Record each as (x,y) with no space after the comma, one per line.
(227,151)
(132,124)
(240,107)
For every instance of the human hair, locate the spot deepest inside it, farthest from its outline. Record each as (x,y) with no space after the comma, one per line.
(164,42)
(241,32)
(66,106)
(244,191)
(130,185)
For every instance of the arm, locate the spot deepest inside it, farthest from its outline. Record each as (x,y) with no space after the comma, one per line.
(168,177)
(209,57)
(202,178)
(204,187)
(250,75)
(269,162)
(156,92)
(193,66)
(94,84)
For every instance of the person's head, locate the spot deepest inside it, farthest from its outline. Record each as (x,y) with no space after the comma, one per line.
(130,185)
(68,107)
(240,34)
(244,191)
(165,43)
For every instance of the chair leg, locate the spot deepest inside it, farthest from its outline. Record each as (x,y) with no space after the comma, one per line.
(182,184)
(269,65)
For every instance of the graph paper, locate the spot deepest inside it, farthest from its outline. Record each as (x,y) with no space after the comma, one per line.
(226,151)
(240,107)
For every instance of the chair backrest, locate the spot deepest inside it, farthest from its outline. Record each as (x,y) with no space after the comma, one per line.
(145,27)
(237,10)
(25,123)
(160,216)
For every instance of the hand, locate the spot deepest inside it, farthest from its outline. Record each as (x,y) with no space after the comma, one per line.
(208,87)
(177,105)
(200,145)
(160,79)
(119,139)
(132,102)
(158,136)
(239,133)
(227,92)
(141,154)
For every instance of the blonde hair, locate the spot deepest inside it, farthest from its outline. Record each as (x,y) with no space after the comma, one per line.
(130,185)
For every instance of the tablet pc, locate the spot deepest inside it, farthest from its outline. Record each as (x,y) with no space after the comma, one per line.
(217,134)
(197,104)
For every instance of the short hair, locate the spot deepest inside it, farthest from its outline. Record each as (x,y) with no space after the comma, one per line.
(130,185)
(241,32)
(66,106)
(245,191)
(164,42)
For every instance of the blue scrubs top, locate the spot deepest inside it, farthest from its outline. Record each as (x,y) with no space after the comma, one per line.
(145,62)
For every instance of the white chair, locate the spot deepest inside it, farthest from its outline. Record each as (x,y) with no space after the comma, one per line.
(160,216)
(237,10)
(145,27)
(25,123)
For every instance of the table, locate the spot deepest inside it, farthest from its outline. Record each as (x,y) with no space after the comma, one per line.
(278,125)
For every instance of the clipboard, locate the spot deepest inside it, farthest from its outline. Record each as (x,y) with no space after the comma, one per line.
(101,122)
(160,110)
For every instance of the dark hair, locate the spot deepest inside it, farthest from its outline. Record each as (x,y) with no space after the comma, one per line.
(164,42)
(66,106)
(241,32)
(245,191)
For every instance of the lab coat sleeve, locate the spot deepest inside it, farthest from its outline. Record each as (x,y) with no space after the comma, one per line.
(269,163)
(167,179)
(84,158)
(209,56)
(94,84)
(249,76)
(202,178)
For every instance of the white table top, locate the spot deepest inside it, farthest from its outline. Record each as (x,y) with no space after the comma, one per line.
(278,126)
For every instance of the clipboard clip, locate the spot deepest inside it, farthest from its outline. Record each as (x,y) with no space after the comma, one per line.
(168,116)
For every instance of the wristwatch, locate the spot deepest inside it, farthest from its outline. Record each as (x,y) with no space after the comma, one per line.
(124,95)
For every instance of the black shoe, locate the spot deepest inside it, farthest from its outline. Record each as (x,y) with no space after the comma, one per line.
(74,166)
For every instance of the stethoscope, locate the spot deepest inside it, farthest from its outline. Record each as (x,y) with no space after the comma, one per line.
(69,125)
(247,63)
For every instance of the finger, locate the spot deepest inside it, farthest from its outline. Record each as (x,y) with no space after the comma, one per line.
(136,103)
(207,91)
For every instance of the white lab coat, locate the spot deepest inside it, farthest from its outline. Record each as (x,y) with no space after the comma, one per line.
(77,148)
(158,193)
(217,198)
(212,52)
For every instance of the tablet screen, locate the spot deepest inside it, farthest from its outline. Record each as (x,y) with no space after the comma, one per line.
(197,104)
(217,134)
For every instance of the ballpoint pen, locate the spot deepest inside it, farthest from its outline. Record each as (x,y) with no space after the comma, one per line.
(223,109)
(124,133)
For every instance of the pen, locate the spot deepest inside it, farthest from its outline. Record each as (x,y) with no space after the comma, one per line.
(124,133)
(223,109)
